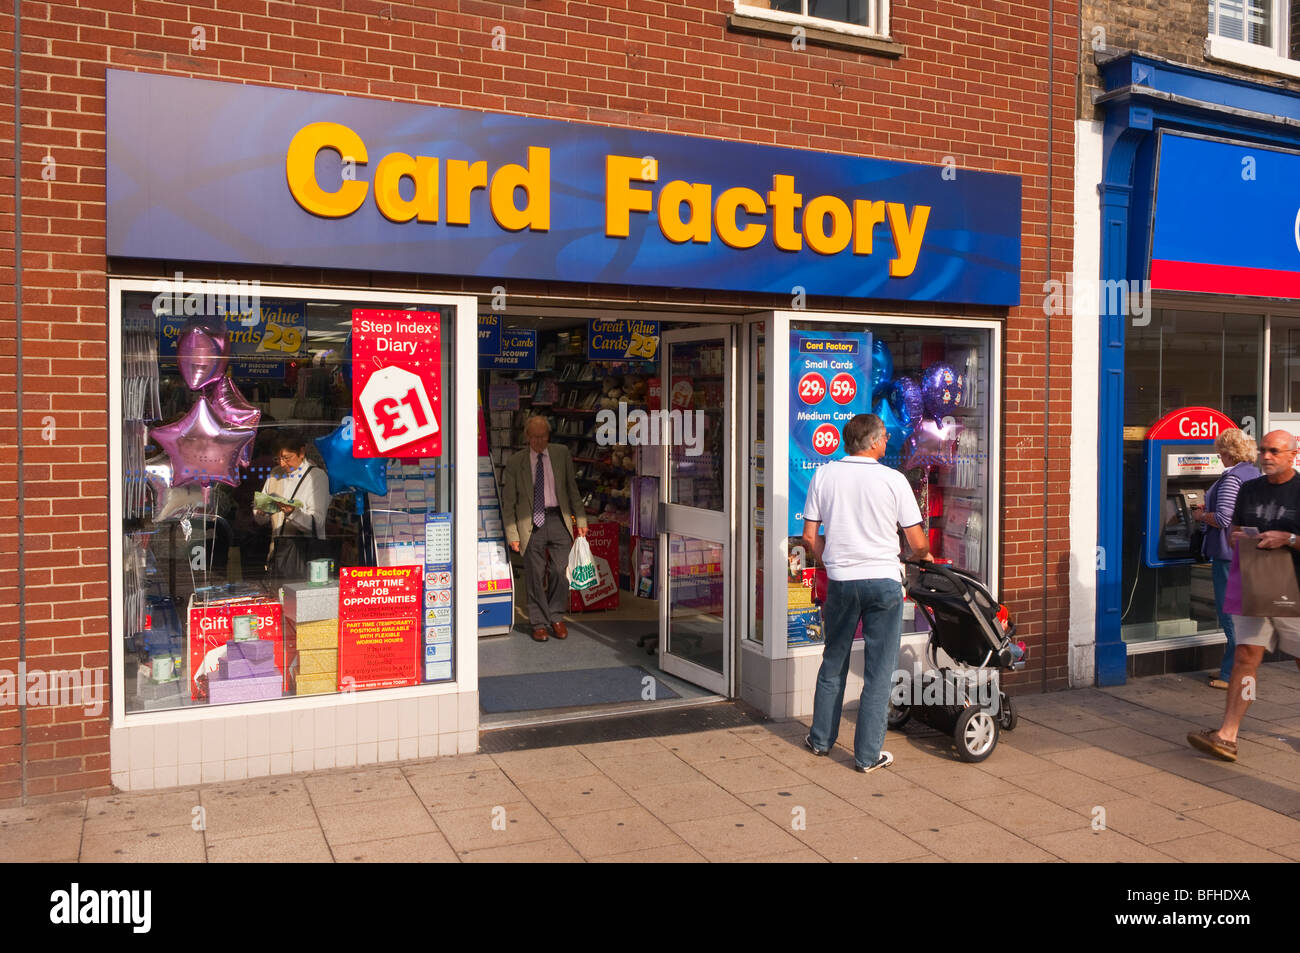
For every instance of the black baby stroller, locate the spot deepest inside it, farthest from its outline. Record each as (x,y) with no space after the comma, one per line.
(956,690)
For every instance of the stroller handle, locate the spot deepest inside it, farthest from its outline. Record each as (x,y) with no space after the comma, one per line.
(935,567)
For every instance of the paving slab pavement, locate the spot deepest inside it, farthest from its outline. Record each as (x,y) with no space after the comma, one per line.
(1090,775)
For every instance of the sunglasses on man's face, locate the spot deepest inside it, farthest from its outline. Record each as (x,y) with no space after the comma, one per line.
(1278,451)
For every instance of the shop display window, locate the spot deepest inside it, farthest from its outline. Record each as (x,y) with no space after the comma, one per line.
(1182,358)
(1284,366)
(757,475)
(262,559)
(931,387)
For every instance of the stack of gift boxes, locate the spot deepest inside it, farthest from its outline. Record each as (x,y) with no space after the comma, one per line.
(312,627)
(247,673)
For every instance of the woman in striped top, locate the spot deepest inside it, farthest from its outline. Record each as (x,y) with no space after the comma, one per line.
(1238,452)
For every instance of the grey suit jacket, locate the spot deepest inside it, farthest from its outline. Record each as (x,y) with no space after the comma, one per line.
(517,493)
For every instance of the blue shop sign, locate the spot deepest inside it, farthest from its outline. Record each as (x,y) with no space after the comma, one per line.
(518,352)
(328,181)
(489,334)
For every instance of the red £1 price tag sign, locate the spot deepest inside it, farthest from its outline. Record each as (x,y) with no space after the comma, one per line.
(397,408)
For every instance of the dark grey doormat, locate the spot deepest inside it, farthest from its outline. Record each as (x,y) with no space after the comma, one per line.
(655,724)
(567,689)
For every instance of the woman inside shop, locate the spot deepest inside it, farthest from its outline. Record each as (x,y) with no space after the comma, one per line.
(299,498)
(1237,451)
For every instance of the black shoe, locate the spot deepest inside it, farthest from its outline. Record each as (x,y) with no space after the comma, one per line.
(884,761)
(807,743)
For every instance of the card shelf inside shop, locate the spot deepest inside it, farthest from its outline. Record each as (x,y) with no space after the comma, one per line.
(570,391)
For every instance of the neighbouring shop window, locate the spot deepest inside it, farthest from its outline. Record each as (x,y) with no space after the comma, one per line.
(262,560)
(1284,366)
(1182,358)
(931,387)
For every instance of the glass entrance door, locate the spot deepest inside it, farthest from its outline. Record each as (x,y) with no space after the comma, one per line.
(695,549)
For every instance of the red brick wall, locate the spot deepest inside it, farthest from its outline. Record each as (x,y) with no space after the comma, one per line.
(972,84)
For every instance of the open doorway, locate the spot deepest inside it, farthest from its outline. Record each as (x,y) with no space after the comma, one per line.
(643,408)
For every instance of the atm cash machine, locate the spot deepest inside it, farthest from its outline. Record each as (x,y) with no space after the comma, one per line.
(1181,465)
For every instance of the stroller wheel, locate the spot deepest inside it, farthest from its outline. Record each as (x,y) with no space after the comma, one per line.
(898,715)
(1007,716)
(976,734)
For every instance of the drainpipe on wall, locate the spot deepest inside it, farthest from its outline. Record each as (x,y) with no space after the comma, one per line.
(1047,392)
(18,386)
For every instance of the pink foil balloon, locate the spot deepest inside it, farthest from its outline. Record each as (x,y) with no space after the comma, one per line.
(202,449)
(201,355)
(230,407)
(931,445)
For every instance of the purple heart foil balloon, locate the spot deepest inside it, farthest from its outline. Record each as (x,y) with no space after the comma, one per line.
(906,399)
(931,445)
(202,449)
(201,353)
(230,407)
(941,388)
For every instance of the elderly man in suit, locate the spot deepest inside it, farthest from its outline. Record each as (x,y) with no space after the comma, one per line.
(541,503)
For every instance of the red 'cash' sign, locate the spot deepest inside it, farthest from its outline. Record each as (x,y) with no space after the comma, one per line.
(1191,423)
(396,387)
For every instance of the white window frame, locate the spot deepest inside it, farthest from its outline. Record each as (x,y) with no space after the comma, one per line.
(463,386)
(877,19)
(1270,58)
(777,463)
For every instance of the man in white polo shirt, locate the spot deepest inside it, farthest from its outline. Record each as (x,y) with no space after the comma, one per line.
(863,503)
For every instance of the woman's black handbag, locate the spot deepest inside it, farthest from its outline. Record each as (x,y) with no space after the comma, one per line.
(292,551)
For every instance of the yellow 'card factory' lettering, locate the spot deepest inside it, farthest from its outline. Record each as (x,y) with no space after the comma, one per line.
(462,178)
(684,211)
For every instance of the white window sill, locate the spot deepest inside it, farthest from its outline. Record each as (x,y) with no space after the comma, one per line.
(817,31)
(1250,55)
(798,19)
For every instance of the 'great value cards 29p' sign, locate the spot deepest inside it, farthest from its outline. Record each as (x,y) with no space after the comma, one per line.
(830,384)
(321,180)
(623,339)
(260,344)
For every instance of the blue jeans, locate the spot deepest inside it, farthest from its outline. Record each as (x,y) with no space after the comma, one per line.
(878,604)
(1220,572)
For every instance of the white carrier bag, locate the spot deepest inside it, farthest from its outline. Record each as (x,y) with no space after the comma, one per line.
(582,568)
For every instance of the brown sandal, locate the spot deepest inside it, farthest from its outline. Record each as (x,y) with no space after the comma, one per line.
(1210,742)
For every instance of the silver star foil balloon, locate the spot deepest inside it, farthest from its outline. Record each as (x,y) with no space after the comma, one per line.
(172,502)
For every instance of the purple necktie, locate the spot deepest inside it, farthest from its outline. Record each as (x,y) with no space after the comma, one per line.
(539,494)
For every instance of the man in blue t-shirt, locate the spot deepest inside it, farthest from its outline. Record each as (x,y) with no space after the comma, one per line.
(863,503)
(1267,516)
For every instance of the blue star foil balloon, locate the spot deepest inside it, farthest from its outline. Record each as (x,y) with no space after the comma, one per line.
(897,430)
(882,368)
(345,471)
